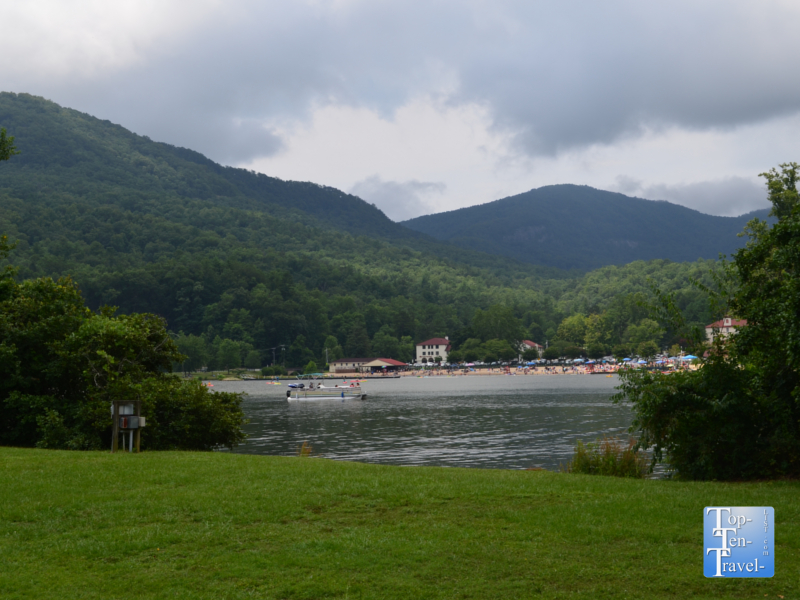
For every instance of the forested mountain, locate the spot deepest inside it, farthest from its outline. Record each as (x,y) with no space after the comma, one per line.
(241,263)
(579,227)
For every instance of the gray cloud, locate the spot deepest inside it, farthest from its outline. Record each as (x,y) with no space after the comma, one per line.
(556,76)
(398,200)
(729,197)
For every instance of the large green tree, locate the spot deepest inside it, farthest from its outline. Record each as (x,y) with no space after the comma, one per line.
(738,416)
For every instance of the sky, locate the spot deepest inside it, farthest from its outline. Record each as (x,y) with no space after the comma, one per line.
(426,106)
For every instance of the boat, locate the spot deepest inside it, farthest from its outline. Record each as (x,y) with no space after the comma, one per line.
(311,388)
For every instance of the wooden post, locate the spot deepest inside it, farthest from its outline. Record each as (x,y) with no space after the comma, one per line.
(138,429)
(115,427)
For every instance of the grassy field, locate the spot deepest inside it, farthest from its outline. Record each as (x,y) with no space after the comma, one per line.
(218,525)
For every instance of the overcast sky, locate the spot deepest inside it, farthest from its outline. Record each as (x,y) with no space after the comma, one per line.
(425,106)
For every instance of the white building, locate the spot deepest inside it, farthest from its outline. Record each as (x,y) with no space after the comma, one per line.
(529,345)
(347,365)
(428,350)
(725,327)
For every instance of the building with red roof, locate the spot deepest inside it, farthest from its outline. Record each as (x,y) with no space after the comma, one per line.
(529,345)
(724,327)
(360,365)
(428,350)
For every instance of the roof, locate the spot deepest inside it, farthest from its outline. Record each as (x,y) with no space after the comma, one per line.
(351,360)
(435,342)
(391,361)
(385,362)
(734,323)
(531,344)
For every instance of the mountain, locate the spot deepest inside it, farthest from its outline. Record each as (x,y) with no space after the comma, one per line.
(226,252)
(579,227)
(67,154)
(229,255)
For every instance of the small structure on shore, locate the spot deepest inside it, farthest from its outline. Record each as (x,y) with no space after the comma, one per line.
(127,419)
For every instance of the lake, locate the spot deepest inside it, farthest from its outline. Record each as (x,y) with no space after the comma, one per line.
(504,422)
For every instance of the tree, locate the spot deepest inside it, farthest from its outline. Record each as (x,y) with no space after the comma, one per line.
(647,330)
(229,355)
(574,352)
(7,148)
(596,350)
(335,351)
(357,344)
(311,367)
(406,349)
(621,351)
(252,360)
(530,354)
(498,322)
(598,331)
(195,349)
(552,353)
(737,417)
(498,349)
(299,354)
(384,344)
(647,349)
(573,329)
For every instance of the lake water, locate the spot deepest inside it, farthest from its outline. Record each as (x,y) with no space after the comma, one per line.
(505,422)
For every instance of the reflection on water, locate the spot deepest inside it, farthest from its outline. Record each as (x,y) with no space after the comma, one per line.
(490,422)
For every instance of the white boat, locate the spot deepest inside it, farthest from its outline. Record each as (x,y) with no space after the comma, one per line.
(311,389)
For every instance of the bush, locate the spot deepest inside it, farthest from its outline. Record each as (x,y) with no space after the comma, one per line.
(186,415)
(707,424)
(608,457)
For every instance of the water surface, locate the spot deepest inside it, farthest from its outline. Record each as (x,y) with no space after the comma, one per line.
(509,422)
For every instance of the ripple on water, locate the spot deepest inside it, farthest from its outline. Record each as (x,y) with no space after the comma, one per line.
(494,422)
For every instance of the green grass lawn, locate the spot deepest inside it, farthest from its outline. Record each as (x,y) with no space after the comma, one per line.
(219,525)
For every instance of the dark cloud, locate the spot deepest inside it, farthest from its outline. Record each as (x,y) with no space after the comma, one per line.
(729,197)
(556,76)
(398,200)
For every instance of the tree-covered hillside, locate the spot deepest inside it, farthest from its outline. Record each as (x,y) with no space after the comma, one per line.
(240,262)
(579,227)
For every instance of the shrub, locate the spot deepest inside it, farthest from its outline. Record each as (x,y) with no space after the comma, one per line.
(186,415)
(608,456)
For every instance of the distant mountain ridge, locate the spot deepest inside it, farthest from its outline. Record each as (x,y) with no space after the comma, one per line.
(580,227)
(67,155)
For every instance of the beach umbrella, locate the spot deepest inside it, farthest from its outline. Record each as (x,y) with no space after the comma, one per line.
(624,359)
(470,365)
(578,360)
(689,357)
(591,362)
(642,362)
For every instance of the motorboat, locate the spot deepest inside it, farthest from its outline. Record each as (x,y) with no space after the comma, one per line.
(310,388)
